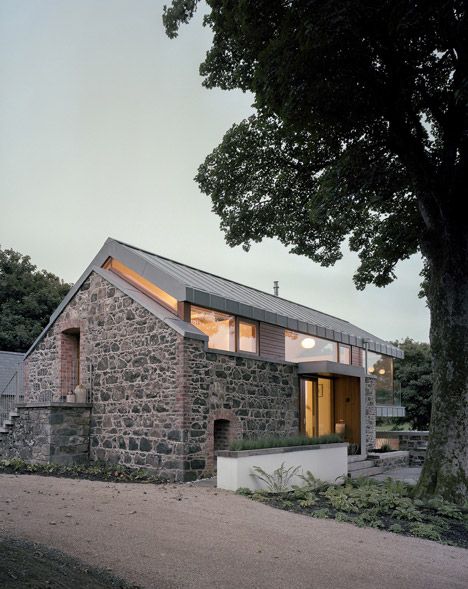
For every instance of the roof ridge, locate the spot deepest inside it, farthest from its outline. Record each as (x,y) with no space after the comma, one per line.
(233,282)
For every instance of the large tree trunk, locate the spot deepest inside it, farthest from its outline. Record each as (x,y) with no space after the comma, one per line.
(445,471)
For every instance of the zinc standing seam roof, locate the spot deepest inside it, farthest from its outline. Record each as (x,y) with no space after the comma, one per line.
(231,290)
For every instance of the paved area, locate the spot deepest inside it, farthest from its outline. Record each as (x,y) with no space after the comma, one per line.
(407,475)
(167,537)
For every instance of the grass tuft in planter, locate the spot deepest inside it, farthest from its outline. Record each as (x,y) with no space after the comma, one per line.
(279,442)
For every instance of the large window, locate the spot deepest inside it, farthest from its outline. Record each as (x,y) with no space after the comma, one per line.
(248,339)
(306,348)
(226,332)
(381,367)
(219,327)
(344,354)
(141,283)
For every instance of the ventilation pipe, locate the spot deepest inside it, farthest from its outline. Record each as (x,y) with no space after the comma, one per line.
(275,288)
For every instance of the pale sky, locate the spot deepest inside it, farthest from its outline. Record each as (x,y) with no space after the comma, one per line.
(103,123)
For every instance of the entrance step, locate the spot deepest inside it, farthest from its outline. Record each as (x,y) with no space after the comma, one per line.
(363,468)
(352,466)
(366,472)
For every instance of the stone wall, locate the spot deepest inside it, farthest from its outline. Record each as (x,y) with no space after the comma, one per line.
(257,397)
(49,433)
(390,460)
(415,442)
(129,362)
(370,409)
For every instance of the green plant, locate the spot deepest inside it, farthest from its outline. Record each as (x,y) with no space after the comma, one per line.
(244,491)
(308,501)
(396,528)
(445,508)
(279,442)
(386,448)
(427,531)
(311,482)
(279,480)
(322,513)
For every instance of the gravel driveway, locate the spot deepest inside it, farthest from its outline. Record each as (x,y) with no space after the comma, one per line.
(181,536)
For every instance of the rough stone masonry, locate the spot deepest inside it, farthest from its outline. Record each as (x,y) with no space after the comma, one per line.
(157,395)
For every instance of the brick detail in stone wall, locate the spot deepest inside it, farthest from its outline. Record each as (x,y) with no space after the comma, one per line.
(138,409)
(257,397)
(48,434)
(371,411)
(157,395)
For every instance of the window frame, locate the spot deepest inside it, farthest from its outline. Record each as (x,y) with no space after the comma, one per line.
(317,337)
(240,320)
(349,348)
(237,320)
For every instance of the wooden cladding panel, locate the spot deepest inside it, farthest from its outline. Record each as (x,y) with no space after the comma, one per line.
(272,341)
(357,356)
(348,406)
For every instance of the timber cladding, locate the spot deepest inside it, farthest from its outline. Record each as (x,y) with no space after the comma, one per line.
(272,342)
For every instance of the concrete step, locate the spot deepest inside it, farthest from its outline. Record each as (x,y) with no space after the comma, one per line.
(366,472)
(13,414)
(7,422)
(352,466)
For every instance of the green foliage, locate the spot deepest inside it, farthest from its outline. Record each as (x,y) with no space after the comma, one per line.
(445,508)
(428,531)
(280,480)
(311,482)
(386,448)
(396,528)
(99,471)
(279,442)
(27,299)
(414,372)
(244,491)
(358,138)
(322,513)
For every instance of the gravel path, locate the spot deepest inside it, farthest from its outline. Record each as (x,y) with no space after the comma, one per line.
(181,536)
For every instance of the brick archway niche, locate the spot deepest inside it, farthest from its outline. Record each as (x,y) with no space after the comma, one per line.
(223,427)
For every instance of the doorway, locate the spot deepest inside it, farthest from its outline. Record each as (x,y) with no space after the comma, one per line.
(327,401)
(317,406)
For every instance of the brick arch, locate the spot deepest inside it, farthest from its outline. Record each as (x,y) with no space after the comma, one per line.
(235,432)
(71,352)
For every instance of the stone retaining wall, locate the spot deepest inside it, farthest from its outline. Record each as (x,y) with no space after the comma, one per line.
(390,460)
(415,442)
(48,433)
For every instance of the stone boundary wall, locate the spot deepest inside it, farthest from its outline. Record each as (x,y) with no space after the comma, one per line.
(390,460)
(55,433)
(415,442)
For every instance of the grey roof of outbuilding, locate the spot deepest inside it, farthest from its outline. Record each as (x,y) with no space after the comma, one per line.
(186,283)
(9,364)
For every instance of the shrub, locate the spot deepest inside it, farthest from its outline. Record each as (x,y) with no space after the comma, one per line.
(279,442)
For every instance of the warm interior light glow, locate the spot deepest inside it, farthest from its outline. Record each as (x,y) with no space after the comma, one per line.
(141,283)
(382,371)
(308,343)
(371,369)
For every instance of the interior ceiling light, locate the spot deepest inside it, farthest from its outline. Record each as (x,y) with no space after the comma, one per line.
(382,371)
(308,343)
(371,369)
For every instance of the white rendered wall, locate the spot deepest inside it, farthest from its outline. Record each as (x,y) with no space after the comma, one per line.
(327,462)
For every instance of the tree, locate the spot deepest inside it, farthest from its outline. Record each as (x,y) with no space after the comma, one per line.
(360,135)
(414,373)
(27,299)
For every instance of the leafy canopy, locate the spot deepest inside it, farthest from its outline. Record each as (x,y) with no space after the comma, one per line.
(360,132)
(414,372)
(27,299)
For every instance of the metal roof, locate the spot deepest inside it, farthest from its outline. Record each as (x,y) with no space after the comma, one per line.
(186,283)
(213,291)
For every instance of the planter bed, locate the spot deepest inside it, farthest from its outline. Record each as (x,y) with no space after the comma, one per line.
(326,462)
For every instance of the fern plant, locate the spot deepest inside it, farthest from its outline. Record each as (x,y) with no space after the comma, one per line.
(279,481)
